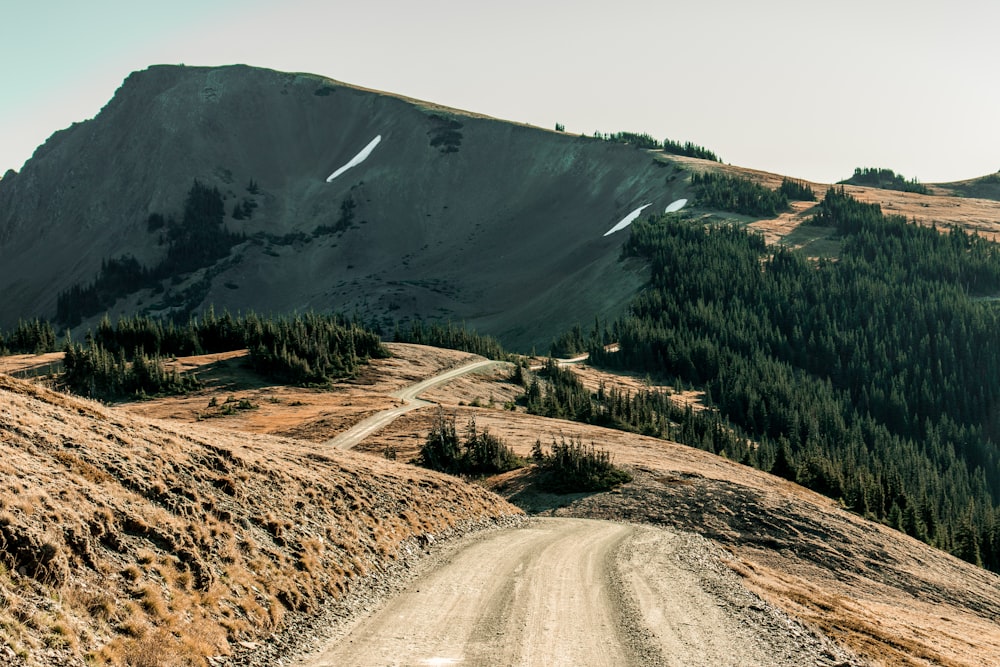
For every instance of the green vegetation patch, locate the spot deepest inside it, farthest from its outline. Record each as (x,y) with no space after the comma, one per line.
(736,194)
(477,452)
(885,179)
(126,360)
(451,337)
(874,379)
(445,134)
(646,141)
(569,466)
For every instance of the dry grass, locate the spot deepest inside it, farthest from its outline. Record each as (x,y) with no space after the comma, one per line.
(889,598)
(125,539)
(892,599)
(940,207)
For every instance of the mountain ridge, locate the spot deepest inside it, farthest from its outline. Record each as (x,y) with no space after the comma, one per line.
(455,215)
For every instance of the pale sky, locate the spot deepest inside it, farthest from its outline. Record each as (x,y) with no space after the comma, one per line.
(807,89)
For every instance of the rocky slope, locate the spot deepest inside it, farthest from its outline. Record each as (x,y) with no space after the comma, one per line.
(454,215)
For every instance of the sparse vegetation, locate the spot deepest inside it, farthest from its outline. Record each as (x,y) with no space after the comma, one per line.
(131,543)
(689,149)
(343,223)
(646,141)
(198,240)
(445,134)
(571,467)
(637,139)
(477,453)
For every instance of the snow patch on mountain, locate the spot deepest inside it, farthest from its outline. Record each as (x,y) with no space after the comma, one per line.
(357,159)
(627,220)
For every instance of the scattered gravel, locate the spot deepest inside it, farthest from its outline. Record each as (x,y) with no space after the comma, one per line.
(305,634)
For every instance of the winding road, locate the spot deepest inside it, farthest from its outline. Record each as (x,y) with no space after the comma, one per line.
(561,591)
(557,592)
(357,433)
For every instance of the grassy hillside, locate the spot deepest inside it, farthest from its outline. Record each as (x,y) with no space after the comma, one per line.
(127,541)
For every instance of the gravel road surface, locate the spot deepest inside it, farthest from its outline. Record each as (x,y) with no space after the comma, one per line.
(577,592)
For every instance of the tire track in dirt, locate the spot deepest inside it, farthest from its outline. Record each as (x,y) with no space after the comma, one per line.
(536,595)
(567,591)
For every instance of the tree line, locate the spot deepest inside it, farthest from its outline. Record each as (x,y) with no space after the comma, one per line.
(736,194)
(451,337)
(197,240)
(646,141)
(886,179)
(873,378)
(557,392)
(35,336)
(126,359)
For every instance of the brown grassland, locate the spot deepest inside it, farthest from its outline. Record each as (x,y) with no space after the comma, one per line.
(941,207)
(203,530)
(134,541)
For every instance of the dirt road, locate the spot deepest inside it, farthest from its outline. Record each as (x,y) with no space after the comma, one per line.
(363,429)
(575,592)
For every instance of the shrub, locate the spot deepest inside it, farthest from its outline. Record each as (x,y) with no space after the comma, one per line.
(570,467)
(480,453)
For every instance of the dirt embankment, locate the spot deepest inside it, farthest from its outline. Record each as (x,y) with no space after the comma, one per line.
(129,541)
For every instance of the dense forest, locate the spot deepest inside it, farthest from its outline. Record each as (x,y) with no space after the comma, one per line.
(451,337)
(127,359)
(736,194)
(873,378)
(29,337)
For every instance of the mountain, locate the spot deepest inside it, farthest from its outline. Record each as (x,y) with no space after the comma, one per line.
(451,215)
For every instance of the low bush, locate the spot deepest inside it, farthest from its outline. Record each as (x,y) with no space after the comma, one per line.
(479,453)
(571,467)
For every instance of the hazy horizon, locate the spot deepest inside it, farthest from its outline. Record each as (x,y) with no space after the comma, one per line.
(811,92)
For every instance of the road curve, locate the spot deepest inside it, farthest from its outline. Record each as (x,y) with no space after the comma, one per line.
(538,595)
(567,591)
(357,433)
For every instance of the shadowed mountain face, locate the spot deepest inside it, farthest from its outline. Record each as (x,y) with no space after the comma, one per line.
(450,216)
